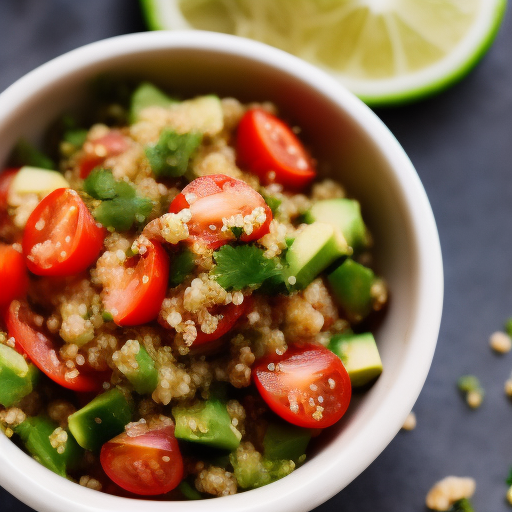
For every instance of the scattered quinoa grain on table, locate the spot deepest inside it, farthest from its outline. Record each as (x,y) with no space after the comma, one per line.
(165,284)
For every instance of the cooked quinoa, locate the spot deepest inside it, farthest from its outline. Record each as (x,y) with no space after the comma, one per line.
(173,359)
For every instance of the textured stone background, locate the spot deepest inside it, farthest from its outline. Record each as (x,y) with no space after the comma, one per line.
(461,145)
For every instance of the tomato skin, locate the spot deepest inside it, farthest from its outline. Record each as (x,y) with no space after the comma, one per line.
(133,301)
(265,143)
(230,315)
(294,374)
(74,239)
(98,150)
(147,464)
(6,178)
(13,275)
(218,196)
(43,352)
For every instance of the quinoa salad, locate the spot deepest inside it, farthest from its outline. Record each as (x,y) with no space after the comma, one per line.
(184,304)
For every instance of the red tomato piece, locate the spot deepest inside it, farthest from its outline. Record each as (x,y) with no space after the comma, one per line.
(212,198)
(13,275)
(230,315)
(6,177)
(307,386)
(135,295)
(98,150)
(268,147)
(43,352)
(61,236)
(146,463)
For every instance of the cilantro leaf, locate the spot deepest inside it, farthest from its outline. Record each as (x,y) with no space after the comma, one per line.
(243,266)
(26,154)
(181,267)
(462,505)
(170,156)
(272,202)
(509,478)
(237,232)
(101,184)
(120,205)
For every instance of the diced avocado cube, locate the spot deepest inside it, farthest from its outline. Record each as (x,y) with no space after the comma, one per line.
(32,180)
(252,470)
(147,95)
(144,378)
(284,441)
(312,251)
(17,377)
(189,491)
(345,214)
(360,356)
(207,423)
(35,434)
(351,285)
(100,420)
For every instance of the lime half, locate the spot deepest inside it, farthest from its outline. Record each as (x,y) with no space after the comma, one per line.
(385,51)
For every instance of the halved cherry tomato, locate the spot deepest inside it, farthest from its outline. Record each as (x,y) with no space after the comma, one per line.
(134,297)
(212,198)
(148,464)
(61,236)
(13,274)
(229,316)
(6,177)
(267,147)
(98,150)
(307,386)
(43,352)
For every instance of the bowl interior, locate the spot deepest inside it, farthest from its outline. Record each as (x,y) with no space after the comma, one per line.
(352,147)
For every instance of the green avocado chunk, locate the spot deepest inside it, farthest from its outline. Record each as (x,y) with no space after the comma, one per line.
(35,434)
(147,95)
(144,378)
(344,214)
(17,377)
(207,423)
(360,356)
(284,441)
(252,470)
(312,251)
(351,285)
(100,420)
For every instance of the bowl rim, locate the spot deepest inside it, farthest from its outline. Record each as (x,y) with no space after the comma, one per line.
(47,492)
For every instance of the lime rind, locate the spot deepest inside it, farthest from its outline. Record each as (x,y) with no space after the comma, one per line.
(166,14)
(457,73)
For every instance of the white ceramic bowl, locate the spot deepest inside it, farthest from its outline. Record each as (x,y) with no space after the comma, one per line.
(363,155)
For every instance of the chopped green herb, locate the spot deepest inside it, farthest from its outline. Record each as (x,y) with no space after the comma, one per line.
(508,327)
(107,316)
(72,133)
(101,184)
(26,154)
(242,266)
(272,202)
(181,267)
(170,156)
(471,387)
(468,383)
(237,231)
(508,481)
(462,505)
(120,206)
(147,95)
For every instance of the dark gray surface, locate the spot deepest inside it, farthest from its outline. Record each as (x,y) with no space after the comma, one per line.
(461,145)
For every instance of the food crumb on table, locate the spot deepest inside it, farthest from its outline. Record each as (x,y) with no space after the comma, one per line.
(448,491)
